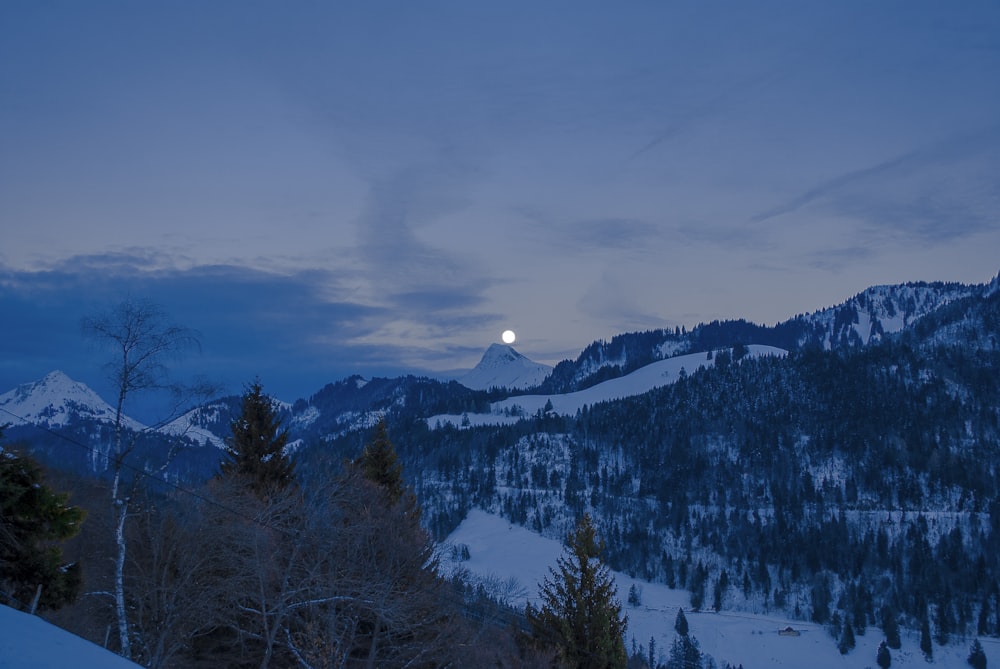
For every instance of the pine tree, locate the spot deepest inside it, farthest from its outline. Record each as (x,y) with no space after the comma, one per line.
(685,653)
(847,640)
(925,638)
(977,657)
(883,658)
(890,627)
(256,448)
(379,464)
(580,613)
(32,517)
(681,623)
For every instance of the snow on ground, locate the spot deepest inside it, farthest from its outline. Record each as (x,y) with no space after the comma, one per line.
(28,642)
(642,380)
(501,551)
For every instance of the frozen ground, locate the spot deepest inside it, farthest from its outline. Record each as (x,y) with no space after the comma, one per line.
(502,551)
(28,642)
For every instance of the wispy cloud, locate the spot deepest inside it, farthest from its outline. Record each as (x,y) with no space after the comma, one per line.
(939,192)
(424,286)
(609,233)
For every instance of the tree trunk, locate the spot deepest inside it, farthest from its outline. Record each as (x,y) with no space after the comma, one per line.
(373,649)
(123,637)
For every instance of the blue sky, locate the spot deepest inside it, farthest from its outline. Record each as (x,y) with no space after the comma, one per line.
(378,187)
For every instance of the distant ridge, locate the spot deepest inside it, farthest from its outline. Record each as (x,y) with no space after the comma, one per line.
(503,367)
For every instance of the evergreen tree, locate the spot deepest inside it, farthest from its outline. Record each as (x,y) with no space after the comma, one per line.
(684,653)
(32,518)
(847,640)
(379,464)
(256,448)
(681,623)
(580,613)
(925,639)
(882,657)
(890,627)
(977,658)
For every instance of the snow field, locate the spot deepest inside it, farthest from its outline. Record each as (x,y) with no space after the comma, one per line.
(502,552)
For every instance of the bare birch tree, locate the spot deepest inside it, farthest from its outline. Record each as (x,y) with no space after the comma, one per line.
(141,342)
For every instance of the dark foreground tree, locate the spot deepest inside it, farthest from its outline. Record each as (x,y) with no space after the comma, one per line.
(256,449)
(580,613)
(337,575)
(32,519)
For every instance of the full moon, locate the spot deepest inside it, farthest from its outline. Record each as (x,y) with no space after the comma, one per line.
(508,336)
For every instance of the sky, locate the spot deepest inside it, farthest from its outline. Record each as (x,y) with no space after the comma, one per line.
(329,188)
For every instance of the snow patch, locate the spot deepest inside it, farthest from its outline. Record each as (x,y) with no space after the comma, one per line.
(644,379)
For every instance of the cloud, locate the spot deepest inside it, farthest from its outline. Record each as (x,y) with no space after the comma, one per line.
(610,233)
(940,192)
(607,300)
(836,259)
(423,286)
(292,330)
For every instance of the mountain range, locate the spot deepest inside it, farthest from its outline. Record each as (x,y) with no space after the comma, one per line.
(830,467)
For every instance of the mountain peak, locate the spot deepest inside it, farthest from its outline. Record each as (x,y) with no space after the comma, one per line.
(55,400)
(502,366)
(499,355)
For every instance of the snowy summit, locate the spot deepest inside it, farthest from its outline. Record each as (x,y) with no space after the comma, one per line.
(503,367)
(54,401)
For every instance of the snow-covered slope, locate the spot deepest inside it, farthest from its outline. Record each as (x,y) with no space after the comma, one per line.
(655,375)
(879,311)
(28,642)
(503,367)
(511,561)
(55,401)
(202,424)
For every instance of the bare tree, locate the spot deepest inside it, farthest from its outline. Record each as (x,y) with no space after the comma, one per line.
(140,341)
(171,592)
(261,561)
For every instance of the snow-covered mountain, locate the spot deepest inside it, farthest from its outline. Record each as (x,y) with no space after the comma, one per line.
(879,311)
(865,318)
(503,367)
(56,401)
(205,423)
(644,379)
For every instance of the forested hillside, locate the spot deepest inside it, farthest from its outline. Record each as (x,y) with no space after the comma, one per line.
(845,485)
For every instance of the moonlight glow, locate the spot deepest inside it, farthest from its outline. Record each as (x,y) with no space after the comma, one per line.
(508,336)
